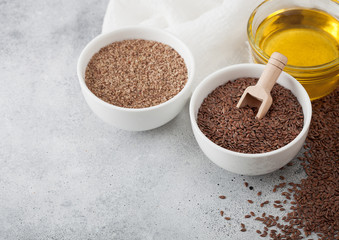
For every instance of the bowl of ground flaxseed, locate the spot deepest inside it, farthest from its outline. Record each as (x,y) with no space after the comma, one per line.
(136,78)
(232,137)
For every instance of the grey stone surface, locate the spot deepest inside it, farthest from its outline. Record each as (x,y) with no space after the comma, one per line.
(64,174)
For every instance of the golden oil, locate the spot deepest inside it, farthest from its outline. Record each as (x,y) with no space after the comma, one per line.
(306,37)
(310,40)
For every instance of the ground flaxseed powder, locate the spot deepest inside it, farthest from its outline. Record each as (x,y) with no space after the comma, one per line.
(237,129)
(136,73)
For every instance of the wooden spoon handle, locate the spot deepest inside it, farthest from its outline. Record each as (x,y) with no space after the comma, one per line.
(275,65)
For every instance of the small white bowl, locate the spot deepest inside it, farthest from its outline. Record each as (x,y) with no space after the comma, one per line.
(136,119)
(244,163)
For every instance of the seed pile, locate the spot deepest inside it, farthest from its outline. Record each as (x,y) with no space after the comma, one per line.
(317,196)
(312,206)
(136,73)
(238,130)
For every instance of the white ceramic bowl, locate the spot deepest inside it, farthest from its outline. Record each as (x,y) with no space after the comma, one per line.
(244,163)
(143,118)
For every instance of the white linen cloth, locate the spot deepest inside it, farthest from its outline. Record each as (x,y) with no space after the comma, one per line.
(214,30)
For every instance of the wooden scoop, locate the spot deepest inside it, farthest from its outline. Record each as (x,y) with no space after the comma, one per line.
(260,95)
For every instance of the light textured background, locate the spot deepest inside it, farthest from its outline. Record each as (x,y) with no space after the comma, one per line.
(64,174)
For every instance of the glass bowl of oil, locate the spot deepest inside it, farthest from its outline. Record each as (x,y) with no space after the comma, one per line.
(307,32)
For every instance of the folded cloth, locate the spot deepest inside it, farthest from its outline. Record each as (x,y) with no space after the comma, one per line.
(214,30)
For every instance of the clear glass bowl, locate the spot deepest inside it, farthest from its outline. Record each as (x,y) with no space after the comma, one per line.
(319,80)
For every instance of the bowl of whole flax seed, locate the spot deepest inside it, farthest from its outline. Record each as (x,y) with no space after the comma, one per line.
(232,137)
(136,78)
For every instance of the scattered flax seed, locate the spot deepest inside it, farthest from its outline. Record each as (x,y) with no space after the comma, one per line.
(222,197)
(315,198)
(227,218)
(259,193)
(242,225)
(252,213)
(282,177)
(317,195)
(136,73)
(250,201)
(246,184)
(236,129)
(247,216)
(290,164)
(222,213)
(243,229)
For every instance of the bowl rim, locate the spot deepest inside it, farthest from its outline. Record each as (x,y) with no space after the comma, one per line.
(264,56)
(141,30)
(242,67)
